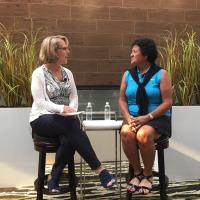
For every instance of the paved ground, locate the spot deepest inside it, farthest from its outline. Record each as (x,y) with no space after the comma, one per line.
(176,190)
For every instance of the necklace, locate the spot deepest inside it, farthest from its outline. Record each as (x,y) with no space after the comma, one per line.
(143,73)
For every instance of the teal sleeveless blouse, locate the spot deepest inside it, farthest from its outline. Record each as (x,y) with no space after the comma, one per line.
(152,89)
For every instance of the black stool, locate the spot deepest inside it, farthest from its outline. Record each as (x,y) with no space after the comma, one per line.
(49,145)
(161,144)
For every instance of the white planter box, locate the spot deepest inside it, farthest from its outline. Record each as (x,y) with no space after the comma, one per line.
(183,156)
(19,160)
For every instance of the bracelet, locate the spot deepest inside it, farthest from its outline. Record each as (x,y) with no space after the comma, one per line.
(151,116)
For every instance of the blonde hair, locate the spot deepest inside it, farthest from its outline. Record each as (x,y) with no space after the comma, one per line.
(49,47)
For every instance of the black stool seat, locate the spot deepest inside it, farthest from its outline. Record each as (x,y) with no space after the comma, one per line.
(160,144)
(50,145)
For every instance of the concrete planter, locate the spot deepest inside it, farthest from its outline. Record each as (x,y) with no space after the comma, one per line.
(18,160)
(183,156)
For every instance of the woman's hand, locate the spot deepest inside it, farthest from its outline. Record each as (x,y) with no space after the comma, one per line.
(138,122)
(68,109)
(130,120)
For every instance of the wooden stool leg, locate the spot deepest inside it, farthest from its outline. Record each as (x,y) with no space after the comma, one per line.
(128,196)
(161,166)
(41,174)
(131,172)
(72,181)
(129,177)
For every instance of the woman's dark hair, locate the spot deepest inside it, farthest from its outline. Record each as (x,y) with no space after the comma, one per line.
(148,48)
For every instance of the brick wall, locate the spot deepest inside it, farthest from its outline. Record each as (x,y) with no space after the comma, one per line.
(101,31)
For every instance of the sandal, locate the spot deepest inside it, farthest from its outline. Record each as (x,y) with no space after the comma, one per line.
(142,188)
(131,188)
(107,180)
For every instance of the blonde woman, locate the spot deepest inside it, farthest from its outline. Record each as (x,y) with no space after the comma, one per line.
(54,92)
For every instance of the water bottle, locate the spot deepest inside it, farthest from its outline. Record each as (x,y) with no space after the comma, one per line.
(107,115)
(89,111)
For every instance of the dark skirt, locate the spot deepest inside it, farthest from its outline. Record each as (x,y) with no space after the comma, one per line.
(161,124)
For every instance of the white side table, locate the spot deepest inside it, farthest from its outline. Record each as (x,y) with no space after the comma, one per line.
(105,125)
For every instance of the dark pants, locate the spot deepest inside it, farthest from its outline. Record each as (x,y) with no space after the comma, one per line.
(72,139)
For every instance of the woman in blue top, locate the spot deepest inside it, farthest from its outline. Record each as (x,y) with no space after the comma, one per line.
(145,101)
